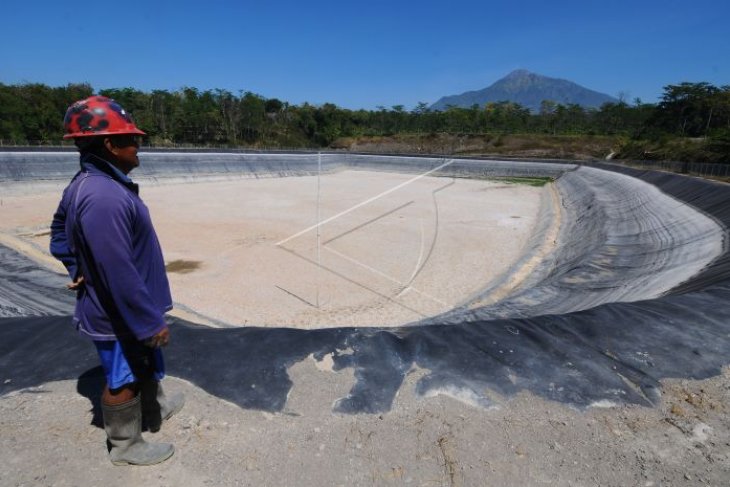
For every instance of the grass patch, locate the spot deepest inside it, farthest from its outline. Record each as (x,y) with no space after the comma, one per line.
(536,181)
(530,181)
(183,266)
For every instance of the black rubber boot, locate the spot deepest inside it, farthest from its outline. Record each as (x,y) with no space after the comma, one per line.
(123,426)
(156,406)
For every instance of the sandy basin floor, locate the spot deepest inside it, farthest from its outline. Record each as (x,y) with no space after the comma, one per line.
(390,250)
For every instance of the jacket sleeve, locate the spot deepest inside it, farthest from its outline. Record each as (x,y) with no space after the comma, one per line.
(106,222)
(59,246)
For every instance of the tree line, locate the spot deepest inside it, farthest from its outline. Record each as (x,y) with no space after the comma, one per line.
(33,113)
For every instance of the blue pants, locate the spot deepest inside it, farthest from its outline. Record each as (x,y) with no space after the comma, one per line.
(128,362)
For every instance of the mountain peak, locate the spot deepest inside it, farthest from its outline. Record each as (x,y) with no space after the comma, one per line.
(529,90)
(518,73)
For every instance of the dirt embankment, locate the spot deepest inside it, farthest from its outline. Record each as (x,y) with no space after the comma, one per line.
(531,145)
(575,147)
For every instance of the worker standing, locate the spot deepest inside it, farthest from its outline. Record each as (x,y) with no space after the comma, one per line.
(103,234)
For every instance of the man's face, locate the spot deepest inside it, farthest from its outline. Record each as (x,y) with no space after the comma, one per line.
(124,148)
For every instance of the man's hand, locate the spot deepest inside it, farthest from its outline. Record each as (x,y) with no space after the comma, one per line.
(76,285)
(159,340)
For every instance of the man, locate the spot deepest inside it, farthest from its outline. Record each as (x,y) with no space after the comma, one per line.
(103,234)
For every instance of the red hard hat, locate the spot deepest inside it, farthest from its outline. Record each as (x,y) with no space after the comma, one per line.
(98,115)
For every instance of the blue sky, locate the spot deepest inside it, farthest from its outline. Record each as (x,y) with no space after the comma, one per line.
(365,54)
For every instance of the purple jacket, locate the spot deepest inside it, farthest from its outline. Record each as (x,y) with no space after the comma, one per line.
(102,231)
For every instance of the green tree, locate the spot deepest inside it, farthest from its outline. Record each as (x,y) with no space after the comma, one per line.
(687,108)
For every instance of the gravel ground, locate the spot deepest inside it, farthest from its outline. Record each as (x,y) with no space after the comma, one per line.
(48,439)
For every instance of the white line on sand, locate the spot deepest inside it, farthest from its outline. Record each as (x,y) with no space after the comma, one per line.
(367,201)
